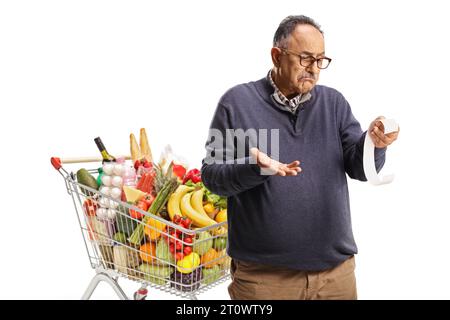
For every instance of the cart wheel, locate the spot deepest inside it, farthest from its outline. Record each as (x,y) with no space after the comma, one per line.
(141,294)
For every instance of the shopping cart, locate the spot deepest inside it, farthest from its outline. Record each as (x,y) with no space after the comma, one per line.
(151,262)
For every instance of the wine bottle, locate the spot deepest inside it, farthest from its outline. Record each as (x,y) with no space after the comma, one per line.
(101,147)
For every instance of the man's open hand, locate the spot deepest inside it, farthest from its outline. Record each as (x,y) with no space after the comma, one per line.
(272,167)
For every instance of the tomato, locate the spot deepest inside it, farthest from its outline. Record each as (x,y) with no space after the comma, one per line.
(187,250)
(90,207)
(178,246)
(186,223)
(177,219)
(148,199)
(179,256)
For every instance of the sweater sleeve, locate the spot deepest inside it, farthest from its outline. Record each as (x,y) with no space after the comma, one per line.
(352,139)
(222,172)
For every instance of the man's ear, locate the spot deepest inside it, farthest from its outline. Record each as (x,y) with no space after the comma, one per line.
(276,55)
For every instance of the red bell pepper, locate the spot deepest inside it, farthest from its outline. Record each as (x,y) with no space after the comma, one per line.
(194,171)
(194,175)
(196,179)
(136,214)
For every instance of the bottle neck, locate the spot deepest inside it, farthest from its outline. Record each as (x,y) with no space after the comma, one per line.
(105,155)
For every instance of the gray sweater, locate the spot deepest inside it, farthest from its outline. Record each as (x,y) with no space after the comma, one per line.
(301,222)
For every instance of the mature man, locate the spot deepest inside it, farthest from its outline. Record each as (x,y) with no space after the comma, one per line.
(290,234)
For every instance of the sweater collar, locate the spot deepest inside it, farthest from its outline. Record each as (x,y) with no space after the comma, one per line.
(290,104)
(266,90)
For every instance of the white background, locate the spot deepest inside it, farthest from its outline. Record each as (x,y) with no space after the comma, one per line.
(74,70)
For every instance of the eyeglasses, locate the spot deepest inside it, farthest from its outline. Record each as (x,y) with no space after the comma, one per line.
(306,61)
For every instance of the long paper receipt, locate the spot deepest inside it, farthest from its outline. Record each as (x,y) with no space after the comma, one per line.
(369,156)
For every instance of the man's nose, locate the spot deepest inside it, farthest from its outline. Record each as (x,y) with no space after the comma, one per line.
(313,69)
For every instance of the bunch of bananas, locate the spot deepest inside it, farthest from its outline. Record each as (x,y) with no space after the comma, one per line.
(186,201)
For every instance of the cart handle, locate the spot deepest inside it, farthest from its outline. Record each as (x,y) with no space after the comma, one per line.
(58,162)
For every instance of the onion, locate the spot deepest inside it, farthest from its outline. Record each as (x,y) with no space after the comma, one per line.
(102,213)
(106,180)
(117,181)
(113,204)
(103,202)
(111,214)
(105,190)
(116,193)
(118,169)
(108,168)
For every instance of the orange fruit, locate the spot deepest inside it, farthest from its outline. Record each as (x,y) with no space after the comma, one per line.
(208,258)
(209,208)
(221,216)
(147,251)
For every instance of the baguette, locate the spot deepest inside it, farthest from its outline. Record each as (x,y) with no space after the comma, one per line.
(134,149)
(145,147)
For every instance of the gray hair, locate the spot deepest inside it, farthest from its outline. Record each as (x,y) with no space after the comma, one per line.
(287,26)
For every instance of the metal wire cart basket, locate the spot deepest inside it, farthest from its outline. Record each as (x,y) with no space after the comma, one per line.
(123,240)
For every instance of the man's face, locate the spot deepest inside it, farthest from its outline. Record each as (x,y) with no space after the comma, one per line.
(294,78)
